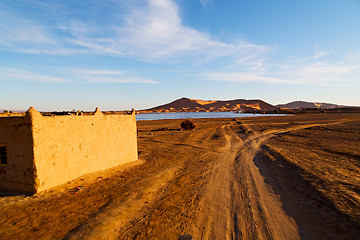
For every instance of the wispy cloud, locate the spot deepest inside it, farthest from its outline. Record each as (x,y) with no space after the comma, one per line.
(72,76)
(23,32)
(153,30)
(149,31)
(322,73)
(121,80)
(321,54)
(32,37)
(28,76)
(240,77)
(108,76)
(157,31)
(96,72)
(342,72)
(204,3)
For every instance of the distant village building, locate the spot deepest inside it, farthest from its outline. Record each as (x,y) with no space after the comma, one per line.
(40,152)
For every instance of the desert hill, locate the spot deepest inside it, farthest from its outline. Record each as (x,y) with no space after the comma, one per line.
(198,105)
(303,104)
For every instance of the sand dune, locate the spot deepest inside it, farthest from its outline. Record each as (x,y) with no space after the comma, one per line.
(198,105)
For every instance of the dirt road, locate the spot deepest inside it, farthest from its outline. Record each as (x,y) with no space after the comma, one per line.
(236,202)
(239,204)
(211,183)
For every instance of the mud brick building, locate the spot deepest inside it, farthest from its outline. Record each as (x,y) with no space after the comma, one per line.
(40,152)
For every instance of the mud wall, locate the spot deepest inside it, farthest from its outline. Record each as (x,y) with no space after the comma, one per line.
(67,147)
(18,173)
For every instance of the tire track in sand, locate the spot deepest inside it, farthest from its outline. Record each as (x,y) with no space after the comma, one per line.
(215,216)
(117,219)
(237,203)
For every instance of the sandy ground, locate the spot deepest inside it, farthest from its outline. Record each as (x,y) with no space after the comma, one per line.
(292,177)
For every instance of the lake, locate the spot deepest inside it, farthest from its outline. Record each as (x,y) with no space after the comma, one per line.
(189,115)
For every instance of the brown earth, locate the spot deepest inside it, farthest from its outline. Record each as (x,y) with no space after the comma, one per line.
(295,177)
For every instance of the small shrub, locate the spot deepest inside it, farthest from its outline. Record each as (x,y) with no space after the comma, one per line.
(188,125)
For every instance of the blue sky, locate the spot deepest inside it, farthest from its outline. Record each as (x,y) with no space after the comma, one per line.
(123,54)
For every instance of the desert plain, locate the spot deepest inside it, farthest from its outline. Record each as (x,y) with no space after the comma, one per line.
(290,177)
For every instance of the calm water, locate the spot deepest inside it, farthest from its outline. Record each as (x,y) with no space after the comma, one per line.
(187,115)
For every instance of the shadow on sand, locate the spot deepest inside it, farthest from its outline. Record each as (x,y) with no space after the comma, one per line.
(316,215)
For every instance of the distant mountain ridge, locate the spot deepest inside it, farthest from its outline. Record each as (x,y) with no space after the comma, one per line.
(303,104)
(198,105)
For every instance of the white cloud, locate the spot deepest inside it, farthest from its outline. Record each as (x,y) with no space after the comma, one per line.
(352,57)
(120,80)
(27,34)
(204,3)
(18,32)
(149,31)
(331,69)
(240,77)
(108,76)
(153,30)
(96,72)
(157,31)
(73,75)
(320,73)
(31,37)
(309,73)
(321,54)
(24,75)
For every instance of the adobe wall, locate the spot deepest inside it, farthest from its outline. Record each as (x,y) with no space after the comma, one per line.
(67,147)
(18,173)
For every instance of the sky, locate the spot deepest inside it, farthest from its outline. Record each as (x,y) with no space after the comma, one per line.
(123,54)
